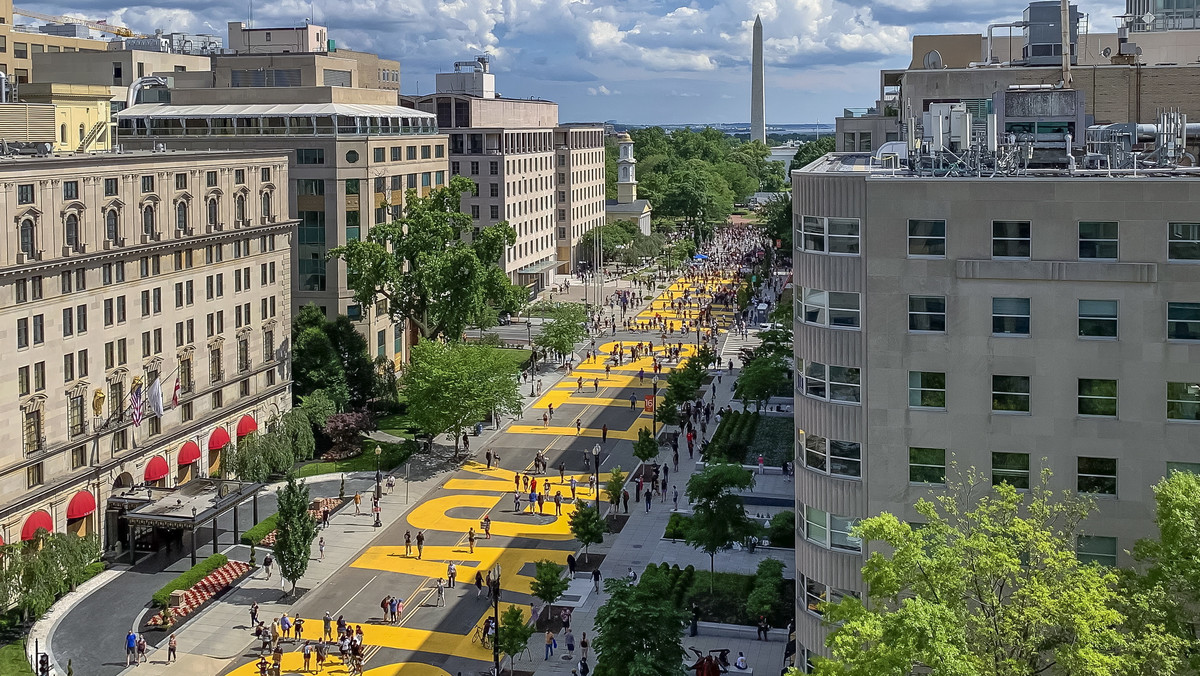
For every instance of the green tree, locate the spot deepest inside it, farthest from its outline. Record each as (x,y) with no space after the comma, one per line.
(432,266)
(776,219)
(451,386)
(249,461)
(587,527)
(697,193)
(318,407)
(616,481)
(762,379)
(548,583)
(316,364)
(295,529)
(351,347)
(646,446)
(989,584)
(767,593)
(512,637)
(297,428)
(41,579)
(638,629)
(564,329)
(809,152)
(718,514)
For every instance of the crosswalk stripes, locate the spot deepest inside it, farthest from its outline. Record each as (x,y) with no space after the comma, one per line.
(735,343)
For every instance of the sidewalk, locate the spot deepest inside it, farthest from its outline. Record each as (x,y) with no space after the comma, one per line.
(640,543)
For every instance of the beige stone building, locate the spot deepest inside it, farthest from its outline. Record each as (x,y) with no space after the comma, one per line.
(353,155)
(373,72)
(1008,324)
(115,70)
(580,180)
(123,275)
(19,46)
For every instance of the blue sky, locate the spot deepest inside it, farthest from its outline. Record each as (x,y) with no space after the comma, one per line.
(636,61)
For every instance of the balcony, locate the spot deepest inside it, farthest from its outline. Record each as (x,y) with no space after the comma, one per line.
(78,429)
(859,112)
(217,376)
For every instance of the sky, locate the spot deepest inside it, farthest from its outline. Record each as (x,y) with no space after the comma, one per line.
(633,61)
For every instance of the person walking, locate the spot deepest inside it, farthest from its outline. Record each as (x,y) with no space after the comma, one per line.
(254,615)
(267,561)
(675,497)
(131,647)
(632,402)
(478,584)
(488,456)
(321,549)
(298,628)
(399,610)
(487,527)
(357,503)
(328,627)
(550,410)
(578,426)
(569,639)
(545,420)
(604,434)
(649,499)
(574,486)
(441,592)
(625,499)
(550,644)
(571,563)
(451,573)
(557,503)
(391,483)
(760,464)
(583,646)
(562,472)
(307,651)
(393,607)
(407,543)
(420,543)
(471,539)
(596,580)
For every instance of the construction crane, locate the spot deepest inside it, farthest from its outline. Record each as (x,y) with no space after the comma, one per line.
(101,26)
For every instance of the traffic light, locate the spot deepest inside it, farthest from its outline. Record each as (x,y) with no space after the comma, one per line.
(43,665)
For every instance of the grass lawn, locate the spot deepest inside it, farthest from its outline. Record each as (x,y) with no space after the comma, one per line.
(774,439)
(12,660)
(395,425)
(518,356)
(393,455)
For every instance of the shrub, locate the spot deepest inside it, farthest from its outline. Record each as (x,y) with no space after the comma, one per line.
(189,578)
(767,593)
(677,526)
(262,529)
(94,569)
(782,530)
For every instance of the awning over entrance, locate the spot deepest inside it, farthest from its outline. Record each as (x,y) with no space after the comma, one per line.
(245,426)
(157,468)
(184,507)
(189,453)
(81,505)
(538,267)
(36,521)
(219,439)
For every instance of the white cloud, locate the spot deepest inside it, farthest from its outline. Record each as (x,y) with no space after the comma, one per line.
(602,91)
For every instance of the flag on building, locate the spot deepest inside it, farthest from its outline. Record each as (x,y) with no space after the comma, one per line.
(155,398)
(135,403)
(175,396)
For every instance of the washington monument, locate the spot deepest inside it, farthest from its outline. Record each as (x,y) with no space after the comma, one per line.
(758,115)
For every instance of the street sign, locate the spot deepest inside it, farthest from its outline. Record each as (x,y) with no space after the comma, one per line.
(649,408)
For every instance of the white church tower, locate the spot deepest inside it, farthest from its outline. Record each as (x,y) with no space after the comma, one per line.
(626,171)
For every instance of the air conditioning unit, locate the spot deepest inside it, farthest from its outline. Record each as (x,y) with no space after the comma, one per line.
(108,244)
(67,251)
(22,258)
(156,236)
(145,239)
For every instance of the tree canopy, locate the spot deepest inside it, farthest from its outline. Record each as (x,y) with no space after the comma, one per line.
(295,529)
(718,513)
(564,329)
(330,356)
(810,151)
(452,386)
(433,266)
(638,629)
(990,585)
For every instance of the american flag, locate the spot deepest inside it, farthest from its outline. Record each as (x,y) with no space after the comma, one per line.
(135,402)
(175,396)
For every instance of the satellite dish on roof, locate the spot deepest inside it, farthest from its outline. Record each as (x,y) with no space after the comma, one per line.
(1106,52)
(932,60)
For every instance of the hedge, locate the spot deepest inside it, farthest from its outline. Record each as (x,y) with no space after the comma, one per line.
(262,529)
(782,531)
(677,526)
(189,578)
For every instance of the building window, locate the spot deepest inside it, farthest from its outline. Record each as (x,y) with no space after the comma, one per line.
(25,193)
(830,235)
(832,456)
(1098,397)
(79,457)
(110,187)
(148,221)
(1010,394)
(1193,467)
(1010,316)
(926,465)
(1096,549)
(926,239)
(70,190)
(830,530)
(110,225)
(1183,321)
(832,383)
(832,308)
(816,526)
(33,474)
(239,176)
(148,183)
(426,152)
(926,389)
(310,156)
(1097,476)
(1183,241)
(1098,319)
(28,235)
(217,400)
(1011,468)
(927,314)
(1098,240)
(1183,401)
(1010,239)
(72,232)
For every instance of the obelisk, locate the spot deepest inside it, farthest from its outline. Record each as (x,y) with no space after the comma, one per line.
(758,115)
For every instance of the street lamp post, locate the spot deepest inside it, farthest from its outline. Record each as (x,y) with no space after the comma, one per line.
(378,487)
(596,465)
(496,617)
(654,420)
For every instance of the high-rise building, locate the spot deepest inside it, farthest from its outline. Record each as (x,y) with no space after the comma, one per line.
(1011,324)
(515,150)
(758,103)
(114,290)
(353,154)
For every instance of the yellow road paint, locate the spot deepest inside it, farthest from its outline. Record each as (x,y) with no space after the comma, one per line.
(433,515)
(433,564)
(407,669)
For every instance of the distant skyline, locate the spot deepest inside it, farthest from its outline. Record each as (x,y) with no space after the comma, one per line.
(635,61)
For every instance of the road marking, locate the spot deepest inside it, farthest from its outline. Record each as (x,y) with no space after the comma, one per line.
(368,584)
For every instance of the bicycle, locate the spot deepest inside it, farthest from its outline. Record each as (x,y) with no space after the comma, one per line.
(480,638)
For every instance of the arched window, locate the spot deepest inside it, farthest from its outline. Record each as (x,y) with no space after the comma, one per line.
(72,232)
(212,211)
(181,215)
(27,235)
(110,225)
(239,207)
(266,205)
(148,220)
(62,133)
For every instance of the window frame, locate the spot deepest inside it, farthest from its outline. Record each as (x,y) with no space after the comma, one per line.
(817,446)
(1080,397)
(917,313)
(828,383)
(1190,244)
(1007,317)
(1027,394)
(1095,476)
(825,308)
(1100,558)
(1093,319)
(847,241)
(1192,401)
(1185,307)
(1095,243)
(921,389)
(1009,240)
(921,465)
(1013,472)
(926,238)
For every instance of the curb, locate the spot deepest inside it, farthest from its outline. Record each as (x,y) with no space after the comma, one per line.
(59,610)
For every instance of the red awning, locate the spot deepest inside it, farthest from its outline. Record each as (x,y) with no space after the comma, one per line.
(157,468)
(36,521)
(245,426)
(189,453)
(81,505)
(219,439)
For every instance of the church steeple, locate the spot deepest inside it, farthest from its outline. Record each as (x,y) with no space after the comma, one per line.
(626,170)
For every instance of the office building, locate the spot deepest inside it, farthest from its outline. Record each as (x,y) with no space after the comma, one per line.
(113,281)
(20,44)
(353,154)
(117,70)
(994,318)
(512,149)
(373,72)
